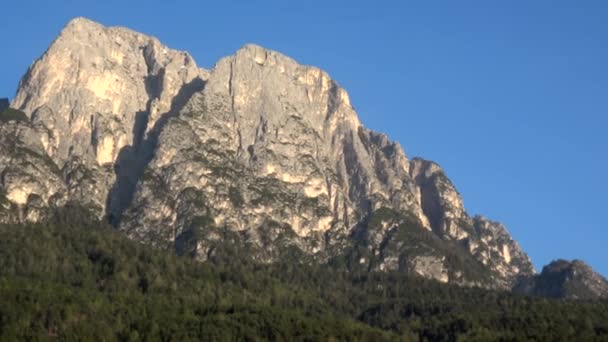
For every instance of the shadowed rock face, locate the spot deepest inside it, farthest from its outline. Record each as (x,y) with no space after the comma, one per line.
(487,240)
(261,147)
(4,104)
(565,279)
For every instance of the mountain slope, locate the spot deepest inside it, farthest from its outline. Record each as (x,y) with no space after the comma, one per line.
(259,150)
(80,280)
(76,278)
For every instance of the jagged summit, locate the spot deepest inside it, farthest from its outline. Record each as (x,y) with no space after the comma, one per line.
(97,91)
(258,53)
(259,150)
(81,23)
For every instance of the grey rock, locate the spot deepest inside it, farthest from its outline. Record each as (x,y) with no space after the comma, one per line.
(30,181)
(284,140)
(430,267)
(565,279)
(98,90)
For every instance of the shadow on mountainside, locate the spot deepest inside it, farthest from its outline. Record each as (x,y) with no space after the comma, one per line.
(133,159)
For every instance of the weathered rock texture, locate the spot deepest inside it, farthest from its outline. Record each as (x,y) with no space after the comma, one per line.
(97,91)
(565,279)
(260,150)
(30,182)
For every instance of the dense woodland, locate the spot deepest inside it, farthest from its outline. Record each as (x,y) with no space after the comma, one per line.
(75,278)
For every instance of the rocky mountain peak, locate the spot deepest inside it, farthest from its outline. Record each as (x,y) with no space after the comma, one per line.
(79,27)
(259,150)
(566,279)
(575,269)
(253,71)
(92,77)
(98,92)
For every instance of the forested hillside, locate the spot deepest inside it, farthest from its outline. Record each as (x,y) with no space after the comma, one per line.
(75,278)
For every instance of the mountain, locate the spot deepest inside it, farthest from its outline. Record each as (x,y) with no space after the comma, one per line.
(565,279)
(260,150)
(95,91)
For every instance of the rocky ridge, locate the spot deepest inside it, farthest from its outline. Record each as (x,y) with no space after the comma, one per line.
(565,279)
(260,150)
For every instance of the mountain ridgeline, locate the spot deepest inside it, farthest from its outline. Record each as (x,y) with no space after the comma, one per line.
(259,150)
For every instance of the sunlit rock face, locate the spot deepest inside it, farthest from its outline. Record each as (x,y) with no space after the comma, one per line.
(260,150)
(271,142)
(30,182)
(284,140)
(97,90)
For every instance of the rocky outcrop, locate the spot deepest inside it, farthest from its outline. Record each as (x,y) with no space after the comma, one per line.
(30,181)
(260,150)
(488,241)
(565,279)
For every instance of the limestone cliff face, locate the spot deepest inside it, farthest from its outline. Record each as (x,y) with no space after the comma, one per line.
(487,240)
(260,150)
(269,141)
(97,90)
(30,182)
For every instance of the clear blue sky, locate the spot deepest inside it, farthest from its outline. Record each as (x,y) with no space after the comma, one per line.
(510,97)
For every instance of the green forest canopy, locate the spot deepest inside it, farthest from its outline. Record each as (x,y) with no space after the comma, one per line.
(76,278)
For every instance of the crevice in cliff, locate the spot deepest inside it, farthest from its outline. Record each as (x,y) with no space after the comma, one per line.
(358,188)
(429,197)
(235,121)
(133,159)
(333,101)
(431,207)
